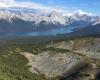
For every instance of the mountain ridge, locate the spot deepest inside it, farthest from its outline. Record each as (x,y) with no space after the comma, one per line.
(16,21)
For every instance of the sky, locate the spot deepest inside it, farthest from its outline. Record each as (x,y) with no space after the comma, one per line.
(91,6)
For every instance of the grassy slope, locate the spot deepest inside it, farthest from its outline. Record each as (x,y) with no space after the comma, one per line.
(13,65)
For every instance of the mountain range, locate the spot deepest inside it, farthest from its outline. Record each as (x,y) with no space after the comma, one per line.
(21,20)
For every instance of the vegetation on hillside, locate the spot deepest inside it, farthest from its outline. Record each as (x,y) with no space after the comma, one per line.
(13,65)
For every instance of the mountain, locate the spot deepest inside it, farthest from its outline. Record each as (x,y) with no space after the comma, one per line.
(16,20)
(88,31)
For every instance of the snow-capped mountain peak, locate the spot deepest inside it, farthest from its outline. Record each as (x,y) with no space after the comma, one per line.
(57,17)
(33,17)
(53,17)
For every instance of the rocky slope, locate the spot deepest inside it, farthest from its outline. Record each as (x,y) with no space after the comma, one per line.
(76,59)
(88,46)
(53,64)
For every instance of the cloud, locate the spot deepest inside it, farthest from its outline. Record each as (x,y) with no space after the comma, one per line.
(30,5)
(13,3)
(82,12)
(6,3)
(36,6)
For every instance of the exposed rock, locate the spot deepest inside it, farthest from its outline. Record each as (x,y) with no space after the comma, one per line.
(64,58)
(53,64)
(85,46)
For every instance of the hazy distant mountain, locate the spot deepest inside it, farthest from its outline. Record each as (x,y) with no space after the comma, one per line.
(14,20)
(91,30)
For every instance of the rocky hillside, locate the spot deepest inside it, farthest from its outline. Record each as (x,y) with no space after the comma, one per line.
(86,46)
(76,59)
